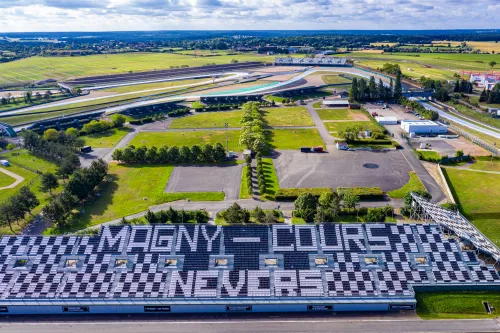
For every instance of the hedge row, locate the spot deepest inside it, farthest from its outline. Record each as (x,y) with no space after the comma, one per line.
(291,194)
(362,192)
(375,142)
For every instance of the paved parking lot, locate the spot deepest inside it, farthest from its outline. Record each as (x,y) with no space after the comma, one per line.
(225,179)
(96,153)
(388,170)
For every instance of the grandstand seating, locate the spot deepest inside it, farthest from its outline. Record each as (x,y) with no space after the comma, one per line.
(323,61)
(318,261)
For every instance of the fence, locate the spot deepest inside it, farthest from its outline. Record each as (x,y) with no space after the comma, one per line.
(492,148)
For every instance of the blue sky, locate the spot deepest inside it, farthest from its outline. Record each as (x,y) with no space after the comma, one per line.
(112,15)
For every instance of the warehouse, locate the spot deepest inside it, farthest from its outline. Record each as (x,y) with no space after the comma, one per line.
(336,103)
(250,268)
(387,120)
(423,127)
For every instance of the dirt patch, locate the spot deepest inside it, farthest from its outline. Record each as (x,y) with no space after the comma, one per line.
(359,117)
(468,147)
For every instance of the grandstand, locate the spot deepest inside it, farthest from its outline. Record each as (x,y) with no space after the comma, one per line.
(202,268)
(323,61)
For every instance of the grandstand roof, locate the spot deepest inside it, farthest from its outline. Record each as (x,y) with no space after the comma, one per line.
(279,263)
(332,61)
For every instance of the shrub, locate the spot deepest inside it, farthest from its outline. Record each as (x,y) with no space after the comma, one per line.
(291,194)
(362,192)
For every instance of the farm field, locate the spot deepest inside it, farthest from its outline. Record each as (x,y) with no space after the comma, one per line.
(288,116)
(481,46)
(133,189)
(456,305)
(336,127)
(63,68)
(5,180)
(469,189)
(106,139)
(412,70)
(208,120)
(188,138)
(293,139)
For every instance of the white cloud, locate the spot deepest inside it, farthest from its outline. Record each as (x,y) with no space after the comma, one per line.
(97,15)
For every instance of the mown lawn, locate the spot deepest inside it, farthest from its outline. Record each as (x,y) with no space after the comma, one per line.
(5,180)
(335,79)
(486,164)
(187,138)
(334,114)
(209,120)
(456,305)
(244,194)
(24,157)
(293,139)
(336,127)
(106,139)
(132,189)
(414,184)
(430,155)
(272,184)
(288,116)
(156,85)
(478,197)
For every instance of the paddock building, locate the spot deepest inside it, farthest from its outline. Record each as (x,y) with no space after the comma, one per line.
(423,127)
(202,268)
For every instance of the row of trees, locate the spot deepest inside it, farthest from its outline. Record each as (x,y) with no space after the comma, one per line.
(252,134)
(491,96)
(96,126)
(362,91)
(196,154)
(463,86)
(428,114)
(175,216)
(261,177)
(238,215)
(79,188)
(17,206)
(248,175)
(28,97)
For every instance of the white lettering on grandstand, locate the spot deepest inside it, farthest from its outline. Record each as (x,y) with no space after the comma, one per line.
(246,239)
(159,239)
(276,247)
(312,230)
(186,287)
(311,283)
(386,246)
(226,283)
(201,288)
(254,279)
(107,238)
(356,238)
(193,242)
(285,280)
(338,237)
(144,244)
(210,239)
(329,278)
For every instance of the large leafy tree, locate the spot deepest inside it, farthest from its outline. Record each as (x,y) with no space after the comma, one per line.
(305,205)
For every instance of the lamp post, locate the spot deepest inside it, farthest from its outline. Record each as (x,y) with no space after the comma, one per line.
(226,125)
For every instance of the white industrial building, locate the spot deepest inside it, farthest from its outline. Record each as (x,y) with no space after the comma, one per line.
(387,120)
(336,103)
(423,127)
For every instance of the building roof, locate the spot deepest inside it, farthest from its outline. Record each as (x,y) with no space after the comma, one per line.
(379,119)
(419,123)
(336,102)
(185,263)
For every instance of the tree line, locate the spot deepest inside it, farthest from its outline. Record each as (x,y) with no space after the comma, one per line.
(252,134)
(235,214)
(362,91)
(175,216)
(491,96)
(17,206)
(170,155)
(78,189)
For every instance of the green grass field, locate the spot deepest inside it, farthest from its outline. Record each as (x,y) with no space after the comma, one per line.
(61,68)
(336,127)
(24,157)
(335,79)
(106,139)
(316,94)
(209,120)
(337,114)
(469,189)
(187,138)
(244,194)
(157,85)
(456,305)
(414,184)
(293,139)
(429,155)
(272,184)
(288,116)
(5,180)
(125,194)
(486,164)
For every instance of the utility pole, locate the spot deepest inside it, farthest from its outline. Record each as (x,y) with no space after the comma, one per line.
(226,125)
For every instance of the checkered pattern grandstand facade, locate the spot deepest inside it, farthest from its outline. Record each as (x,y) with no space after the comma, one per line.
(240,263)
(323,61)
